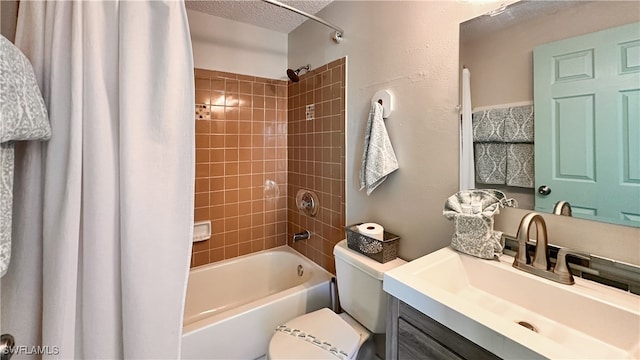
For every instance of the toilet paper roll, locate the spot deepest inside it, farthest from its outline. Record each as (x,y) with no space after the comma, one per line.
(373,230)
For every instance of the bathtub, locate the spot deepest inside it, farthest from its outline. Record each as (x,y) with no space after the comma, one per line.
(233,306)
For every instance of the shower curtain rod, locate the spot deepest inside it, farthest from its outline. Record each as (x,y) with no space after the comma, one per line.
(337,35)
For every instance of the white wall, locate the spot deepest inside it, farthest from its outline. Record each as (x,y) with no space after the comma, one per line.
(411,48)
(231,46)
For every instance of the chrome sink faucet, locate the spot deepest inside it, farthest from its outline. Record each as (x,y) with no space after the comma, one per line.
(540,264)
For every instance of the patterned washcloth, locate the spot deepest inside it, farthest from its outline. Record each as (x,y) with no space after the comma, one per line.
(378,159)
(520,165)
(23,116)
(491,163)
(488,125)
(490,152)
(518,125)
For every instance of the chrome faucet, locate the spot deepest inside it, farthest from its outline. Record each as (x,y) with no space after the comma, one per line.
(540,264)
(301,236)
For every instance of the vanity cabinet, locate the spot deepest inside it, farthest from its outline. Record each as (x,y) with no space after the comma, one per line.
(413,335)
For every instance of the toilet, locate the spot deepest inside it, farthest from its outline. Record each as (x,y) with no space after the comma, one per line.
(323,334)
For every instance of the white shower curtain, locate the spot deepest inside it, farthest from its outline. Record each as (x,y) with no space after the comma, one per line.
(103,213)
(467,165)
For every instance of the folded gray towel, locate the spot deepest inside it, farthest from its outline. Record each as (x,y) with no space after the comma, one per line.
(520,165)
(503,143)
(518,125)
(488,125)
(491,163)
(474,234)
(378,159)
(23,116)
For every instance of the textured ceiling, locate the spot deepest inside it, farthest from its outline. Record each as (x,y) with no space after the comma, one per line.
(260,13)
(513,14)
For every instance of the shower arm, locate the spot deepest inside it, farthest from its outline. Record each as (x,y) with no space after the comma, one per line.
(337,35)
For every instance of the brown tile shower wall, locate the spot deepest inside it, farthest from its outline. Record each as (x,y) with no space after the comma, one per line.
(241,164)
(316,159)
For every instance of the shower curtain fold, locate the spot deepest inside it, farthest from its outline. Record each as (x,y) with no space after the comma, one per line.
(113,189)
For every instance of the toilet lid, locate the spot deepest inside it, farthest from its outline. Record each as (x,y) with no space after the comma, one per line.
(321,334)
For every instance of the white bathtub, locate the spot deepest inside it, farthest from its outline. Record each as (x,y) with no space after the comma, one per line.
(233,306)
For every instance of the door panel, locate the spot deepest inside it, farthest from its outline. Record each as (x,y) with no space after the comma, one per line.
(573,124)
(587,131)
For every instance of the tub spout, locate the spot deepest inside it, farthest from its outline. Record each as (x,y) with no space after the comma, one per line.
(301,236)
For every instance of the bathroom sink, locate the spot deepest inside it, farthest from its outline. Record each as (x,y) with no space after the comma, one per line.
(516,314)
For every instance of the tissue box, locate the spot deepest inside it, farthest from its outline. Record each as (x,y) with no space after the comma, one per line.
(381,251)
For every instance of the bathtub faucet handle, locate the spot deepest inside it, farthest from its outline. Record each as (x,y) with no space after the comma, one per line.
(301,236)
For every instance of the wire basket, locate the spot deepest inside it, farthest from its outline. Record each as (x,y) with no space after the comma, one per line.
(381,251)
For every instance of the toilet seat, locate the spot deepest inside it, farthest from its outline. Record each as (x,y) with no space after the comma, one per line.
(295,339)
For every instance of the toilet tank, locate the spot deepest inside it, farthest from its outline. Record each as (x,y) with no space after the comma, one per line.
(360,286)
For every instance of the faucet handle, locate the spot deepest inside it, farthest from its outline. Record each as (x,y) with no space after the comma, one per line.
(562,269)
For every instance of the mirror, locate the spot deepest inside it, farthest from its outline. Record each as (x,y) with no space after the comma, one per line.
(497,48)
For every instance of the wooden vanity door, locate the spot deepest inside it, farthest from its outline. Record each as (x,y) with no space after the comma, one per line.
(411,335)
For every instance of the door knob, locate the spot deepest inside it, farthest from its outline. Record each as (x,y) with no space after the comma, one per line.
(544,190)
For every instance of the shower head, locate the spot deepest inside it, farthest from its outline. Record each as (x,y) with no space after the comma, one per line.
(293,74)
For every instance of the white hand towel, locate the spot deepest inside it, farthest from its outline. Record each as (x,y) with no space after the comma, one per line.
(378,158)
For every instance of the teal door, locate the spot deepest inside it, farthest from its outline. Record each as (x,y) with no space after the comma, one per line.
(587,124)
